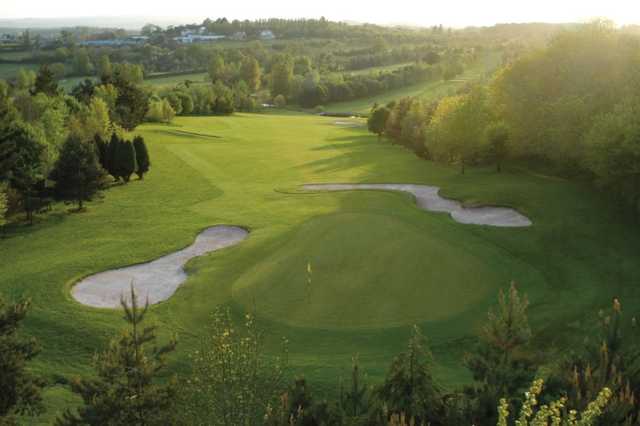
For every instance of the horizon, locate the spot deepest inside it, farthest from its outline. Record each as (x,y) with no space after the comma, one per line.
(459,15)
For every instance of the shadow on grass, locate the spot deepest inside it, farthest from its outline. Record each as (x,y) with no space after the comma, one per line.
(186,134)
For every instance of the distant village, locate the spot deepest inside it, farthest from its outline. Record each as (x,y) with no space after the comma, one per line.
(187,36)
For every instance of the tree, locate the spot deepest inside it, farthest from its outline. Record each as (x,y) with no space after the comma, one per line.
(613,155)
(4,207)
(82,62)
(131,105)
(456,129)
(124,164)
(26,79)
(608,358)
(377,121)
(45,82)
(127,389)
(251,73)
(216,68)
(20,390)
(501,361)
(409,387)
(77,173)
(280,101)
(142,156)
(281,76)
(21,163)
(354,401)
(105,70)
(233,380)
(84,91)
(497,135)
(160,111)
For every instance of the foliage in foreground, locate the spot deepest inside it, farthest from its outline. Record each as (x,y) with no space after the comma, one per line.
(126,390)
(553,413)
(20,390)
(233,382)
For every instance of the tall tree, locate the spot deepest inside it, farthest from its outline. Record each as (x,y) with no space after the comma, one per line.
(21,163)
(281,76)
(125,160)
(251,73)
(502,362)
(77,173)
(127,389)
(20,389)
(4,205)
(497,135)
(216,68)
(142,156)
(409,387)
(377,121)
(131,105)
(45,82)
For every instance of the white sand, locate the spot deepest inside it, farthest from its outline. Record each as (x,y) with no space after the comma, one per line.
(156,280)
(427,198)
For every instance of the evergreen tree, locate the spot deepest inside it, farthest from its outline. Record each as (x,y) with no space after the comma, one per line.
(131,105)
(125,390)
(125,160)
(45,82)
(501,362)
(111,158)
(20,391)
(354,400)
(142,156)
(77,172)
(409,388)
(102,149)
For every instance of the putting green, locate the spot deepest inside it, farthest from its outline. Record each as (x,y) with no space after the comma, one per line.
(359,280)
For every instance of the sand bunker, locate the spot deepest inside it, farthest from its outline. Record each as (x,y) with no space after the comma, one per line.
(156,280)
(427,198)
(348,123)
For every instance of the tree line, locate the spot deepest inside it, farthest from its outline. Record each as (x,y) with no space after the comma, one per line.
(58,146)
(233,380)
(572,106)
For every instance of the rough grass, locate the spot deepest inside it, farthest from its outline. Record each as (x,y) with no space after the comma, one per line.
(379,263)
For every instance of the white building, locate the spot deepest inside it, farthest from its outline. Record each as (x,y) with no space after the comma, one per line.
(267,35)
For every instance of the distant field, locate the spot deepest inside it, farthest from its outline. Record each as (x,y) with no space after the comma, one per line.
(429,91)
(177,79)
(14,56)
(8,71)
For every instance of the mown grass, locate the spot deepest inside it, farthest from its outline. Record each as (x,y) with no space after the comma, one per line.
(430,91)
(379,263)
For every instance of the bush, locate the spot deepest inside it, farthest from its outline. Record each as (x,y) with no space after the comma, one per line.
(280,101)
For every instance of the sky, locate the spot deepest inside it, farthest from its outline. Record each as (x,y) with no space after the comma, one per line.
(455,13)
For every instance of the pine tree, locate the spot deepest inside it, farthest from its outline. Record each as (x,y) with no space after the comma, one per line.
(142,156)
(409,388)
(20,391)
(501,362)
(111,159)
(126,390)
(102,149)
(125,160)
(45,82)
(354,400)
(77,173)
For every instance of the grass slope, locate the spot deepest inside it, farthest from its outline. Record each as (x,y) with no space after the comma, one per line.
(429,91)
(379,263)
